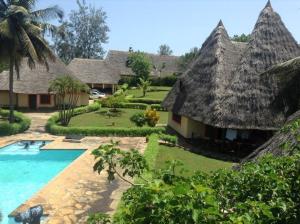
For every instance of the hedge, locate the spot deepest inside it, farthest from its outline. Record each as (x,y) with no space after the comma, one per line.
(102,131)
(141,106)
(157,107)
(22,124)
(145,100)
(86,109)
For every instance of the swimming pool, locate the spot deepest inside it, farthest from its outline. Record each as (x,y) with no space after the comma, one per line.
(24,171)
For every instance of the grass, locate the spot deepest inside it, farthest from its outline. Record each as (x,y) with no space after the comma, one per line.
(160,94)
(191,162)
(100,119)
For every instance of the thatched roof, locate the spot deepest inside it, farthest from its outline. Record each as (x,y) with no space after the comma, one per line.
(35,81)
(276,145)
(94,71)
(224,86)
(118,59)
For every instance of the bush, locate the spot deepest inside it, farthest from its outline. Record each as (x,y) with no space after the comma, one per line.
(164,81)
(138,119)
(157,107)
(145,100)
(169,139)
(55,129)
(152,117)
(21,124)
(141,106)
(86,109)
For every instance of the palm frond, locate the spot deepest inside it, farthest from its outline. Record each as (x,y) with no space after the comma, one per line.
(26,44)
(27,4)
(48,13)
(5,31)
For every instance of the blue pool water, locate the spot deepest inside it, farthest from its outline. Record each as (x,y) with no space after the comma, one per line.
(25,171)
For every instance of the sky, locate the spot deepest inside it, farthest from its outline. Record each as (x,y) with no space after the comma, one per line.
(182,24)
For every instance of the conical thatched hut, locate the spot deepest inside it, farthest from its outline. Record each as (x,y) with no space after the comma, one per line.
(224,94)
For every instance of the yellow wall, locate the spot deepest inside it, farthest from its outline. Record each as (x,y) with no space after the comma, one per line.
(4,98)
(23,100)
(188,127)
(83,99)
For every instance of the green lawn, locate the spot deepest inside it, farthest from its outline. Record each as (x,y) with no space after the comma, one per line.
(100,119)
(156,95)
(192,162)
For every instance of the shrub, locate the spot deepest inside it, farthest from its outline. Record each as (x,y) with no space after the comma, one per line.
(55,129)
(164,81)
(141,106)
(157,107)
(86,109)
(145,100)
(169,139)
(138,119)
(21,124)
(152,117)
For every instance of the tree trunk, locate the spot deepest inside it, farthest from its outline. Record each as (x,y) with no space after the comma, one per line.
(11,89)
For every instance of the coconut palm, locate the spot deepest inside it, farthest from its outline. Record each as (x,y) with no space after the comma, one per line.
(21,36)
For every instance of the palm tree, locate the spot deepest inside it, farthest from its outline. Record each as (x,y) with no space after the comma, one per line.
(144,85)
(21,36)
(67,92)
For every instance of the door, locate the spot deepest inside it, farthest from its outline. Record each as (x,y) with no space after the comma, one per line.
(32,102)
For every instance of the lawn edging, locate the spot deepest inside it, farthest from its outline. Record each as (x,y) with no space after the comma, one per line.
(21,125)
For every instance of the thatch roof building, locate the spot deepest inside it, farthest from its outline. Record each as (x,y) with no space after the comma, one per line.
(95,73)
(224,90)
(162,65)
(32,89)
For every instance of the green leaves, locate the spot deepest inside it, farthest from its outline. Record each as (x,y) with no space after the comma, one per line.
(114,160)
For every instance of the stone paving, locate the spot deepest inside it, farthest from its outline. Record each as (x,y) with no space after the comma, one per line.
(77,191)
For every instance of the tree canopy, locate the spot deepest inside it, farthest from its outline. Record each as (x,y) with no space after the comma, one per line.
(140,64)
(83,34)
(165,49)
(241,38)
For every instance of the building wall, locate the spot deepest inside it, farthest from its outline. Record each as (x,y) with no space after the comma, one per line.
(23,100)
(40,105)
(4,98)
(83,99)
(188,128)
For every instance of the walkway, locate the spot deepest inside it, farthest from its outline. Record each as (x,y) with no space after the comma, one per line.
(38,120)
(77,191)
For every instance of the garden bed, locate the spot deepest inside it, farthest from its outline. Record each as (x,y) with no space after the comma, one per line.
(101,119)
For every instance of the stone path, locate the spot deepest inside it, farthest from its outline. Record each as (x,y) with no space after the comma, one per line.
(38,120)
(77,191)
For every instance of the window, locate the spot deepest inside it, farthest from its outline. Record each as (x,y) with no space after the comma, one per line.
(176,118)
(45,99)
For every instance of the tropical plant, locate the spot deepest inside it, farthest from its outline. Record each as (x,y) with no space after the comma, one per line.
(140,64)
(83,34)
(21,35)
(122,90)
(152,117)
(138,119)
(144,85)
(165,49)
(68,91)
(112,158)
(265,191)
